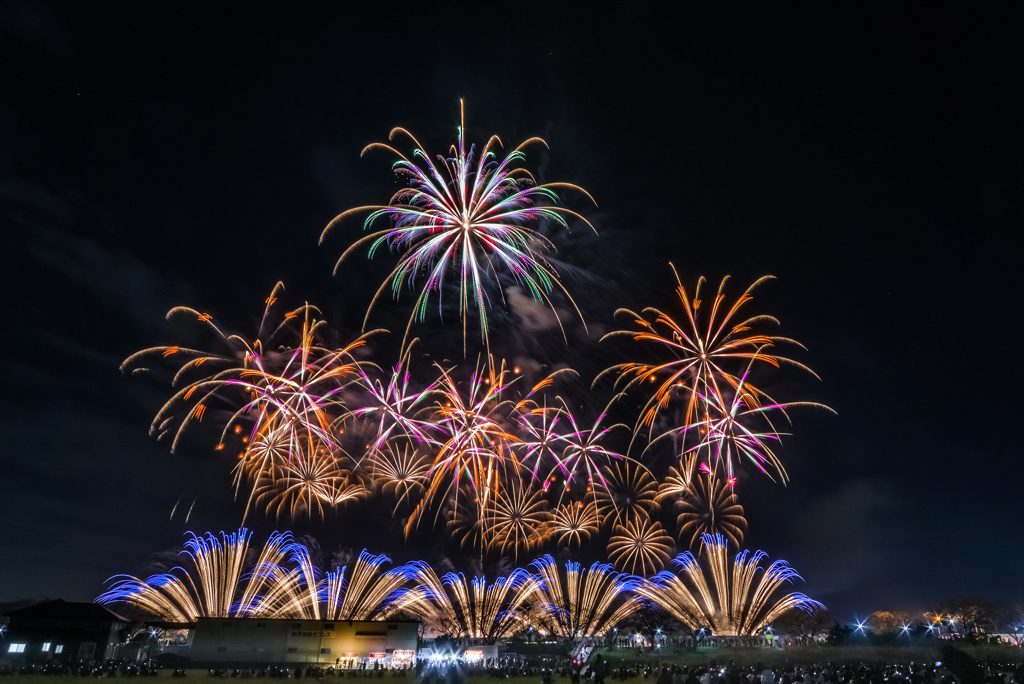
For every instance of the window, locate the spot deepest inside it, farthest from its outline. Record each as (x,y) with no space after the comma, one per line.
(325,651)
(58,649)
(46,647)
(16,648)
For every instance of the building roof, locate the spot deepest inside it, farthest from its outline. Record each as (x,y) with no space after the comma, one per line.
(66,610)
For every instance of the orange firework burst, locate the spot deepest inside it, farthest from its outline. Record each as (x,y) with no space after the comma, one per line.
(309,480)
(400,472)
(574,522)
(516,519)
(711,507)
(640,546)
(628,494)
(702,355)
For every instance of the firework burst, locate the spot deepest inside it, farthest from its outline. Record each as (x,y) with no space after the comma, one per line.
(365,593)
(283,583)
(455,606)
(573,523)
(640,546)
(710,507)
(475,436)
(578,602)
(737,599)
(465,217)
(629,492)
(516,519)
(209,590)
(201,376)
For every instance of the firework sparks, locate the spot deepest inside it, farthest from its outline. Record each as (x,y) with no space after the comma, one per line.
(395,406)
(365,593)
(738,427)
(573,522)
(584,456)
(640,546)
(400,472)
(517,519)
(455,606)
(629,493)
(710,507)
(702,352)
(283,583)
(731,600)
(217,566)
(202,375)
(581,602)
(465,216)
(475,439)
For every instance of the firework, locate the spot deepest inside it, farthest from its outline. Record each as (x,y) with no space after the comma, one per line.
(640,546)
(738,599)
(541,444)
(283,583)
(465,217)
(457,607)
(702,353)
(295,410)
(279,397)
(584,457)
(573,522)
(400,472)
(217,566)
(738,427)
(679,480)
(395,407)
(365,593)
(516,519)
(277,591)
(465,520)
(309,480)
(629,493)
(710,507)
(475,438)
(202,375)
(581,602)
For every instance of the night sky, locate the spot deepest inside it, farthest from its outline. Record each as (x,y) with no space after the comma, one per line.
(157,154)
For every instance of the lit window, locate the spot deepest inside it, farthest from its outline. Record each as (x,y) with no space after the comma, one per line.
(46,647)
(16,648)
(59,648)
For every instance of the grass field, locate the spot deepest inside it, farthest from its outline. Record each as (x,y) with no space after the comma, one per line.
(740,657)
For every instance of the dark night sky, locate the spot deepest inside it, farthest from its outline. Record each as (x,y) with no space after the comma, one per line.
(155,154)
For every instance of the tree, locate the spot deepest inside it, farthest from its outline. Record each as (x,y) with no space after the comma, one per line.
(651,621)
(885,622)
(803,626)
(838,635)
(974,615)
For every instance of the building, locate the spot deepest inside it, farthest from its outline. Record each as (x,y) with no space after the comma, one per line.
(62,633)
(252,641)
